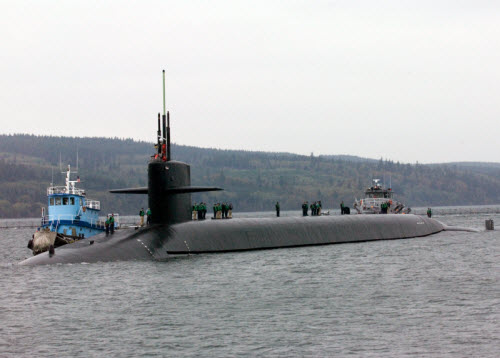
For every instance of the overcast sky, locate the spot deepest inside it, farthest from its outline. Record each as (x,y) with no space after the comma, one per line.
(403,80)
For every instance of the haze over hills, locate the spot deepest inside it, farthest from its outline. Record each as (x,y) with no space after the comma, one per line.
(252,180)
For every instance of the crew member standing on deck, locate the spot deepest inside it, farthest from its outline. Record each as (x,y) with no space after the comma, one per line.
(141,214)
(277,209)
(225,209)
(203,210)
(219,211)
(199,210)
(194,211)
(112,223)
(148,214)
(429,212)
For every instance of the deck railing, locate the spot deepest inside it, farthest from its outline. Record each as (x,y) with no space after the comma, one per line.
(55,220)
(64,190)
(93,204)
(374,201)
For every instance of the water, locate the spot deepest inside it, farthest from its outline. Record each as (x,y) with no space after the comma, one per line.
(437,296)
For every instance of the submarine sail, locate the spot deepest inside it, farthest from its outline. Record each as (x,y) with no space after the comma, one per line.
(169,182)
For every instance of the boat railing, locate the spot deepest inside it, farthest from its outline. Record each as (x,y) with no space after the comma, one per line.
(64,190)
(55,220)
(368,202)
(373,201)
(93,204)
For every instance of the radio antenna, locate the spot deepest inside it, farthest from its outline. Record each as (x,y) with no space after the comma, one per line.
(166,129)
(164,110)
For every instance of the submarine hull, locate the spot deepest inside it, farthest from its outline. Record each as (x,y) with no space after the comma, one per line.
(161,241)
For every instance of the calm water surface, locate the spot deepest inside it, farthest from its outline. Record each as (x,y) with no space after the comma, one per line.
(437,296)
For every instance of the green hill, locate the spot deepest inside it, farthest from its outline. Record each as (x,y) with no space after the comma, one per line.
(252,180)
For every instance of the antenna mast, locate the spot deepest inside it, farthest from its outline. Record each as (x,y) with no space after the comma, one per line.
(168,136)
(166,129)
(158,135)
(164,110)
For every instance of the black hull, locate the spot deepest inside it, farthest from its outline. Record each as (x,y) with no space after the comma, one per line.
(159,241)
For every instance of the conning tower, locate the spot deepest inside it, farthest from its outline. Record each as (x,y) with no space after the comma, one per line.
(169,182)
(166,200)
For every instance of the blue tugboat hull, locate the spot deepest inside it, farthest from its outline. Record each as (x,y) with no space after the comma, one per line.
(65,227)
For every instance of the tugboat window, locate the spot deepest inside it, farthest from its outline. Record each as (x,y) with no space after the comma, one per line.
(65,201)
(72,201)
(58,201)
(51,200)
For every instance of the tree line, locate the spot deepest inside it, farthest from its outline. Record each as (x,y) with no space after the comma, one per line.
(253,181)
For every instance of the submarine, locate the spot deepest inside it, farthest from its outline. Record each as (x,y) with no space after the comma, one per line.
(172,231)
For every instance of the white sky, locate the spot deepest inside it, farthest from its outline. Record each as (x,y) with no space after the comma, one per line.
(403,80)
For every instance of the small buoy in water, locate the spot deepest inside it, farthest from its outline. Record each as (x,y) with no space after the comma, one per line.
(489,224)
(51,250)
(91,242)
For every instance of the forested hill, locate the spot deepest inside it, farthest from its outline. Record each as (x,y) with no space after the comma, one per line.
(252,180)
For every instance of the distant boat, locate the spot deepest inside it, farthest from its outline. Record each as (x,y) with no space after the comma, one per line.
(375,197)
(71,217)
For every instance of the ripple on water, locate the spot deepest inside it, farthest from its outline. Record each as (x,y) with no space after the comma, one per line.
(433,296)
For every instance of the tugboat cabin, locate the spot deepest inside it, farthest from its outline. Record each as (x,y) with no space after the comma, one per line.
(70,213)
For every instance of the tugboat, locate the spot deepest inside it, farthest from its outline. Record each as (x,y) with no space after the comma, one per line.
(71,217)
(379,200)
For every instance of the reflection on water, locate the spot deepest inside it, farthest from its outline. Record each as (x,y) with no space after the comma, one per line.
(434,296)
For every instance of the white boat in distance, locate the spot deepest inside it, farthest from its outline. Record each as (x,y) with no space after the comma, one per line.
(375,198)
